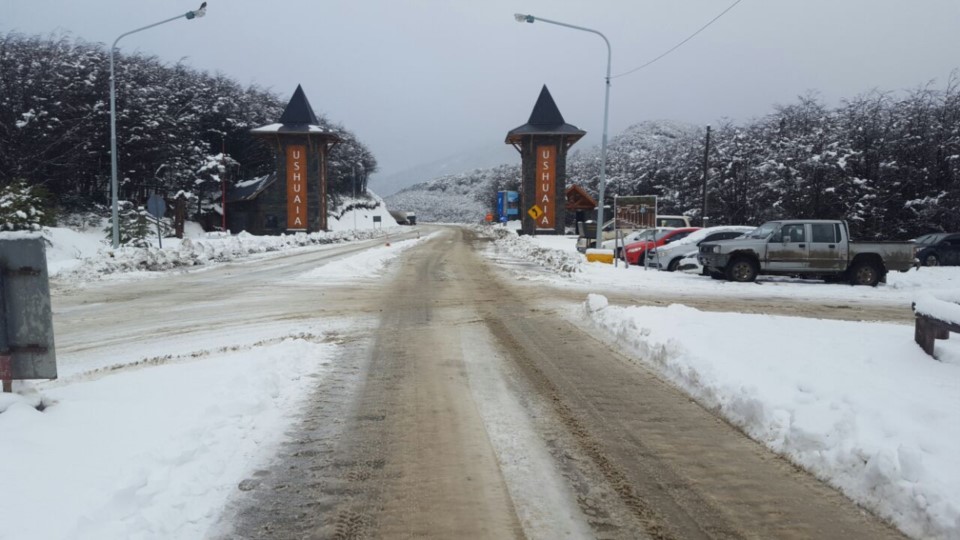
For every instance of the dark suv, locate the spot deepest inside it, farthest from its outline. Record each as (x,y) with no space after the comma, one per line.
(939,249)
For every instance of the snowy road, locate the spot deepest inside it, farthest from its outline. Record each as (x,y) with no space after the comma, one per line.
(476,409)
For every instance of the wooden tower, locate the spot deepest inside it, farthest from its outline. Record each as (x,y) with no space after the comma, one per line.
(301,147)
(543,143)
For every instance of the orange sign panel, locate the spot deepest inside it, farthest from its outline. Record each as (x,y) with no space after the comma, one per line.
(297,188)
(546,182)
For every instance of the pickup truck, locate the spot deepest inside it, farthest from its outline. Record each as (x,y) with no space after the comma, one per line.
(807,248)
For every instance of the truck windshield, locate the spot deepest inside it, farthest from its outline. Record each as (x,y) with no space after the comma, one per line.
(763,231)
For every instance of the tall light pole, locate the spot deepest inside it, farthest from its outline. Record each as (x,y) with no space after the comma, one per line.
(114,185)
(606,111)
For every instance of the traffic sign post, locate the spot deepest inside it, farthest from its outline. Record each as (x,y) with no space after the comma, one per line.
(535,212)
(156,207)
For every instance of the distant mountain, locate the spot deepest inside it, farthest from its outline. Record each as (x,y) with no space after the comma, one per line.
(456,198)
(479,158)
(466,197)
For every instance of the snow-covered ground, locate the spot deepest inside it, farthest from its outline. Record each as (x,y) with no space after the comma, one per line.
(858,404)
(149,441)
(150,452)
(564,265)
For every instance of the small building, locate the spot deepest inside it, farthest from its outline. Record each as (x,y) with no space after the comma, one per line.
(293,198)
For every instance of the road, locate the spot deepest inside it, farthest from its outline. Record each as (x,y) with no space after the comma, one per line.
(468,408)
(462,405)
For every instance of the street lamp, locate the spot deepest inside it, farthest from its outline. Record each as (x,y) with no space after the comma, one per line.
(114,186)
(606,110)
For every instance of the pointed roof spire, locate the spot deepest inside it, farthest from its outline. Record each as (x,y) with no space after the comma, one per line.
(545,120)
(298,118)
(299,111)
(545,112)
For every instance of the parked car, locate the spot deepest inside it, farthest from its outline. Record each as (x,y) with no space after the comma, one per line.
(809,248)
(939,249)
(628,238)
(634,253)
(668,257)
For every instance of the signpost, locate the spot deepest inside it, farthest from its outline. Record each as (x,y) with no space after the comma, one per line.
(156,207)
(26,321)
(535,212)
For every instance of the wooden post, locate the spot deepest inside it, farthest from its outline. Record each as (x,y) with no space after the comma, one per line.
(179,215)
(6,373)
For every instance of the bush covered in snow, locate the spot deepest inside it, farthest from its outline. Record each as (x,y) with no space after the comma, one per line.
(21,208)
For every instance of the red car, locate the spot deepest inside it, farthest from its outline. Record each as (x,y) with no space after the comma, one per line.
(636,251)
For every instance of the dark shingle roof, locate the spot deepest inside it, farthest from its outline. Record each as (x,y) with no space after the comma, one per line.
(545,120)
(299,111)
(297,118)
(249,189)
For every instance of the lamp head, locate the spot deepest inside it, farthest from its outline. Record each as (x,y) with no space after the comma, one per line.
(197,13)
(520,17)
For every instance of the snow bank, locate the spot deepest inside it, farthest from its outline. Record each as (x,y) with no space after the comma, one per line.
(526,247)
(216,247)
(366,264)
(857,404)
(148,452)
(944,306)
(358,213)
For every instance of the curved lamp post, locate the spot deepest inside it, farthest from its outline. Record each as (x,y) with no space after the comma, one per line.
(606,110)
(114,186)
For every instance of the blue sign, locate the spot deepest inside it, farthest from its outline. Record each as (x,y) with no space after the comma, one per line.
(501,204)
(513,203)
(503,219)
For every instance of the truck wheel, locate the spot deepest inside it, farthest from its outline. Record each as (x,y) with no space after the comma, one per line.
(742,269)
(931,260)
(672,267)
(865,273)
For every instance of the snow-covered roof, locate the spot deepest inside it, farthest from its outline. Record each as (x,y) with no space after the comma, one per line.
(247,190)
(297,118)
(291,128)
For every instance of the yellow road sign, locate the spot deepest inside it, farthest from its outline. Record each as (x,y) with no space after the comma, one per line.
(535,212)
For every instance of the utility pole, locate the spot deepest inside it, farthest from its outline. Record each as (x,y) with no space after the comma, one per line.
(354,167)
(706,168)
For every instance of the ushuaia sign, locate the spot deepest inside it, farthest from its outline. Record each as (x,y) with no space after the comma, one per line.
(296,188)
(547,185)
(543,143)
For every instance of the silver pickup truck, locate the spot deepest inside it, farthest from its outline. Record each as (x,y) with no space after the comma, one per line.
(808,248)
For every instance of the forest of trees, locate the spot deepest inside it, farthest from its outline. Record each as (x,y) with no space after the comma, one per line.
(173,124)
(890,164)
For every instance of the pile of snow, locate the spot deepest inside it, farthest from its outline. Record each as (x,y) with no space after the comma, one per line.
(149,452)
(857,404)
(943,306)
(358,213)
(366,264)
(527,248)
(216,247)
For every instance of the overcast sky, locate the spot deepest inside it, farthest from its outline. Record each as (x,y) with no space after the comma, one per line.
(418,80)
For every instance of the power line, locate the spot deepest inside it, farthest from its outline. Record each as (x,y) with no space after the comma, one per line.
(678,45)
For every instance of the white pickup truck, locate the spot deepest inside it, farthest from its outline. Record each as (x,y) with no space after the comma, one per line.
(808,248)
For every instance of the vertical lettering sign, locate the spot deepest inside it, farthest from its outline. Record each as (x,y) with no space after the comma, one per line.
(297,187)
(546,178)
